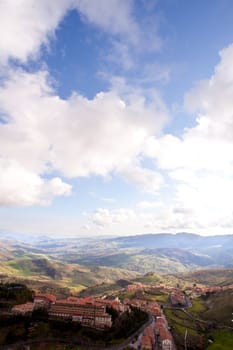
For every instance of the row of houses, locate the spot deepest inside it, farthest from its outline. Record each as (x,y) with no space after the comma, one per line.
(146,287)
(92,312)
(88,311)
(148,338)
(23,309)
(177,296)
(197,291)
(161,287)
(157,336)
(157,332)
(140,286)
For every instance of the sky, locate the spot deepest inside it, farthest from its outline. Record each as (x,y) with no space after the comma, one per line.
(116,117)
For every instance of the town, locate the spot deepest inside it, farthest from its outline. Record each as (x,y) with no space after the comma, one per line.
(95,312)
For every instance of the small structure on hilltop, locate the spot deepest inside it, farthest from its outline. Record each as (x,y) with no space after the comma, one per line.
(178,298)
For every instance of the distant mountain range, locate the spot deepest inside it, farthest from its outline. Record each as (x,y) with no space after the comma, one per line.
(159,253)
(178,240)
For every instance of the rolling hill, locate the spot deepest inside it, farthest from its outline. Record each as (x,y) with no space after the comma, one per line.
(89,261)
(63,275)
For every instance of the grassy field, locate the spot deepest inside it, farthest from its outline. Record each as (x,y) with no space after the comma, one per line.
(210,277)
(222,340)
(219,307)
(180,324)
(198,307)
(214,310)
(166,279)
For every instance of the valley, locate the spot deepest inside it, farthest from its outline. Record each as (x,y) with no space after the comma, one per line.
(147,267)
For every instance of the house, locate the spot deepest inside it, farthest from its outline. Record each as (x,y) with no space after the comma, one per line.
(44,300)
(23,309)
(146,343)
(148,338)
(88,314)
(165,339)
(177,297)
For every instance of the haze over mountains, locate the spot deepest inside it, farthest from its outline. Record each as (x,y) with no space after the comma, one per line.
(159,253)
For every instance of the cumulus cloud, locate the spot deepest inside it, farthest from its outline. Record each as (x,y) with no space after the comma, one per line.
(146,179)
(208,145)
(20,187)
(200,162)
(76,137)
(27,25)
(40,133)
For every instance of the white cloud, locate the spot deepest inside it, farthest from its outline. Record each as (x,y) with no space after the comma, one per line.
(114,16)
(146,179)
(76,137)
(200,162)
(208,145)
(128,221)
(106,218)
(43,133)
(21,187)
(149,204)
(27,24)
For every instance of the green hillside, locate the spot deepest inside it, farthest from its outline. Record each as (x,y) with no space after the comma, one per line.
(210,277)
(41,270)
(222,340)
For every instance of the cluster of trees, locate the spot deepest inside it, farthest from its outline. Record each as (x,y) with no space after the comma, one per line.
(123,326)
(127,323)
(15,292)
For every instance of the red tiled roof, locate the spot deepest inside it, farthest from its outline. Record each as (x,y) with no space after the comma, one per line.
(164,334)
(50,297)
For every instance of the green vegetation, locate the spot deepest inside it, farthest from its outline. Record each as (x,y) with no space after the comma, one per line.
(40,271)
(198,306)
(123,326)
(181,323)
(38,327)
(219,307)
(64,267)
(132,260)
(101,289)
(210,277)
(161,298)
(222,340)
(14,293)
(30,266)
(149,278)
(152,278)
(206,314)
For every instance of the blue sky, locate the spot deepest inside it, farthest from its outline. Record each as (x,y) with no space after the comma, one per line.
(116,117)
